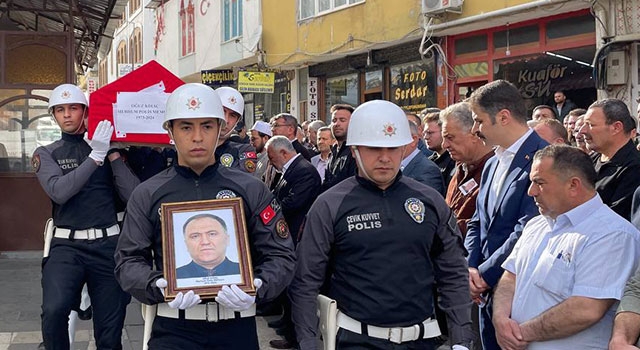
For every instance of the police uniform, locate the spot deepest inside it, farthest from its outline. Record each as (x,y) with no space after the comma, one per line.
(382,251)
(85,237)
(237,155)
(139,254)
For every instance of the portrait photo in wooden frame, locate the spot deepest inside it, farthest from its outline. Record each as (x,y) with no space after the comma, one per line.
(205,246)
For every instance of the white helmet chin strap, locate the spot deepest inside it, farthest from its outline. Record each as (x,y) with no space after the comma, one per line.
(84,112)
(364,172)
(215,145)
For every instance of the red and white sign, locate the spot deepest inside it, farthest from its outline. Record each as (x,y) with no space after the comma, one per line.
(102,101)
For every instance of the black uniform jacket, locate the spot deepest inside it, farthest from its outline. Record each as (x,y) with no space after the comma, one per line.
(139,253)
(381,252)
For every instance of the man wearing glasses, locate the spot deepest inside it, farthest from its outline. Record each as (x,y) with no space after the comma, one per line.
(286,125)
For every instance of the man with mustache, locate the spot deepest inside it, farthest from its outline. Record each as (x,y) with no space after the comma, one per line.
(503,207)
(607,130)
(562,263)
(207,239)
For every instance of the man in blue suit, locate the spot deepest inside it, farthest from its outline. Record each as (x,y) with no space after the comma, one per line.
(418,167)
(503,206)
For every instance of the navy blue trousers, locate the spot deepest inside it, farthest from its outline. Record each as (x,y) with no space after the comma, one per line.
(71,264)
(172,333)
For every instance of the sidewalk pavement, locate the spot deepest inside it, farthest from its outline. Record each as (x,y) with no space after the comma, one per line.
(22,297)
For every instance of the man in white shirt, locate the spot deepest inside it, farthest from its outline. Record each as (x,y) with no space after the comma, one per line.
(560,287)
(324,141)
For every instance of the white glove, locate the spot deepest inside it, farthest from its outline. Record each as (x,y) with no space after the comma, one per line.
(182,301)
(235,299)
(101,140)
(459,347)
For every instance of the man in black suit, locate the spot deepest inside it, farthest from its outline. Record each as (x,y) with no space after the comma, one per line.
(299,185)
(296,190)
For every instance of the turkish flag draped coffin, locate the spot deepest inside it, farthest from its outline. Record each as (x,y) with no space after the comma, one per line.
(135,105)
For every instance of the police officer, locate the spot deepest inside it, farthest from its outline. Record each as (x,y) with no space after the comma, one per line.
(82,185)
(383,240)
(194,119)
(229,153)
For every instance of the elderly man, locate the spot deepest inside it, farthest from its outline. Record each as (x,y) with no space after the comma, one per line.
(561,264)
(418,167)
(207,239)
(607,129)
(286,125)
(470,154)
(324,142)
(543,112)
(550,130)
(296,190)
(503,208)
(299,185)
(314,126)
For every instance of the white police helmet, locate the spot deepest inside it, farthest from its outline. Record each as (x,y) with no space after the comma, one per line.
(67,94)
(232,99)
(193,100)
(378,123)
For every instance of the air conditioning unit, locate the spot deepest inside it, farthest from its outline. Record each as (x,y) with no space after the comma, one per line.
(430,7)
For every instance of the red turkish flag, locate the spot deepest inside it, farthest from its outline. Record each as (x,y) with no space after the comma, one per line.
(267,215)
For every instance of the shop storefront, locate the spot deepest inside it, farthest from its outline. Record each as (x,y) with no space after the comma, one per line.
(540,57)
(398,74)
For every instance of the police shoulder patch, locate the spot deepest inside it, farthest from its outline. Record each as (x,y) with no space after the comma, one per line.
(415,209)
(35,162)
(282,229)
(226,159)
(225,194)
(250,165)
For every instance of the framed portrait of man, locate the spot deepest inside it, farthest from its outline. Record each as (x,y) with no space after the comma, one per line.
(205,246)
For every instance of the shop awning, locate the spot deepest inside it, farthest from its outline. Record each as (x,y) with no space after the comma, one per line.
(93,22)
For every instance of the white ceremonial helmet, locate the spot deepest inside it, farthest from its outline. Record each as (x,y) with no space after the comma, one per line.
(67,94)
(193,100)
(232,99)
(378,123)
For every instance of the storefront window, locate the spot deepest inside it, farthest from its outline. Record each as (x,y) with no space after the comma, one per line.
(539,76)
(476,43)
(25,124)
(343,89)
(268,105)
(413,85)
(474,69)
(373,80)
(516,36)
(571,26)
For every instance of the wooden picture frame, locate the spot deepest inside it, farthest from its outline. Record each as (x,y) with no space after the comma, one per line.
(196,231)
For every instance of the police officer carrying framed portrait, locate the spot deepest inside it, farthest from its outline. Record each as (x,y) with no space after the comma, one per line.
(194,118)
(378,242)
